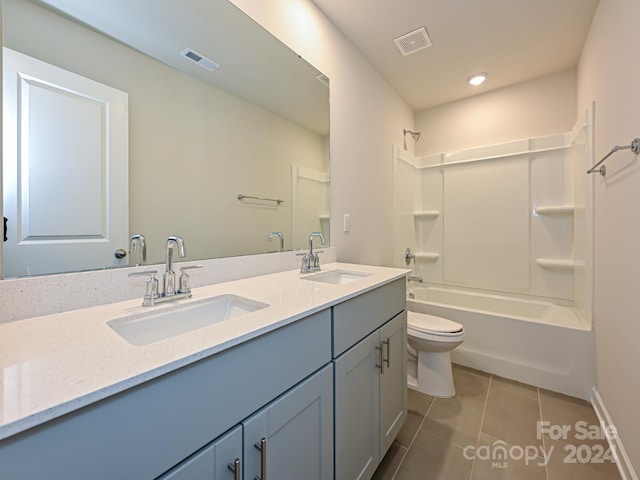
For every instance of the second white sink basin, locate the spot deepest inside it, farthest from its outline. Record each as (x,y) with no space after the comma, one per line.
(152,326)
(337,277)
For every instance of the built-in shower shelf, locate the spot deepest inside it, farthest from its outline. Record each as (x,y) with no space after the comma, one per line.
(427,256)
(556,210)
(426,214)
(558,264)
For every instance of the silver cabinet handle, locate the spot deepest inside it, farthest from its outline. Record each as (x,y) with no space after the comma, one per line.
(262,446)
(388,359)
(236,468)
(381,364)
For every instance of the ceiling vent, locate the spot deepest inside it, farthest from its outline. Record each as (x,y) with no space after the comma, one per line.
(413,42)
(201,60)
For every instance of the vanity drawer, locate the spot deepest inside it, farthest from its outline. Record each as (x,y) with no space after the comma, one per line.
(354,319)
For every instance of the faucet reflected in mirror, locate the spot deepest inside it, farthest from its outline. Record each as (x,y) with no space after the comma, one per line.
(138,242)
(279,235)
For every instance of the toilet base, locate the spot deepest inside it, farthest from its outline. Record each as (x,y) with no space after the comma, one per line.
(434,374)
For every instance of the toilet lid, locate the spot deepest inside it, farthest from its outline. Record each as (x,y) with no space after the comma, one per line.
(423,322)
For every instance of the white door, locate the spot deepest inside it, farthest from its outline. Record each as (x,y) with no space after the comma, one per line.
(65,169)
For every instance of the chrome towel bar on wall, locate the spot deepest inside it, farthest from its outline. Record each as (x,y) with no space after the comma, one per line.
(634,147)
(242,197)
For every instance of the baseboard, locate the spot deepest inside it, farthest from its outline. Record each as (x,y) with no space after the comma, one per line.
(622,460)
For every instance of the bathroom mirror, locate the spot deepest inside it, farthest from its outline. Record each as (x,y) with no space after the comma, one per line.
(257,125)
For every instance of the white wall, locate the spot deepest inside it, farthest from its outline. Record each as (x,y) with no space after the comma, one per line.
(367,117)
(609,73)
(539,107)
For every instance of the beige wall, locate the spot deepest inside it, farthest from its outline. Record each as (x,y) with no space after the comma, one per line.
(609,74)
(193,148)
(536,108)
(367,117)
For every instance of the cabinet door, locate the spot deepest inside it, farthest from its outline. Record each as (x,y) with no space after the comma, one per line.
(393,380)
(212,462)
(357,427)
(296,431)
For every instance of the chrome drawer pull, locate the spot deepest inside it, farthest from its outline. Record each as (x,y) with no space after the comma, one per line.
(236,469)
(381,364)
(388,359)
(262,446)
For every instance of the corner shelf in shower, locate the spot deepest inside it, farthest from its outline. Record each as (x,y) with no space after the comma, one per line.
(558,264)
(426,215)
(556,210)
(427,256)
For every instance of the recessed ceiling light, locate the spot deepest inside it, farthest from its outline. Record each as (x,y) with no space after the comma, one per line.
(477,78)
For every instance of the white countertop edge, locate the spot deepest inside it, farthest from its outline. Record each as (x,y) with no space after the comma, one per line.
(35,418)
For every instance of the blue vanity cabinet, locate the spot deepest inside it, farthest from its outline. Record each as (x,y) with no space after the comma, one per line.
(370,379)
(213,461)
(155,428)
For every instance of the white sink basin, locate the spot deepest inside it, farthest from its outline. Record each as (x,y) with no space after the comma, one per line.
(337,277)
(152,326)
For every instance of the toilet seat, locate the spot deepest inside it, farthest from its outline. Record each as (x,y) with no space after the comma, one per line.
(422,323)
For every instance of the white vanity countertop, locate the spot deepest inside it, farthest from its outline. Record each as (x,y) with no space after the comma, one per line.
(55,364)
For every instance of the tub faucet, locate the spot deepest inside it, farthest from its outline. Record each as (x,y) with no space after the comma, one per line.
(277,234)
(169,277)
(310,260)
(411,278)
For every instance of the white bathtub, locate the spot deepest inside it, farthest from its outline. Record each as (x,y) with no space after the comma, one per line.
(532,341)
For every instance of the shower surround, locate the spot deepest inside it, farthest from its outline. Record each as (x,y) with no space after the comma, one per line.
(512,221)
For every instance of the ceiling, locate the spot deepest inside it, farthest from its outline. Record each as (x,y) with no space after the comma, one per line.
(512,40)
(220,31)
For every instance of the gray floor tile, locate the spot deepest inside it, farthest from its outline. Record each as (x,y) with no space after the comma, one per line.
(490,464)
(508,414)
(409,429)
(418,402)
(456,420)
(512,413)
(387,468)
(469,380)
(571,421)
(579,461)
(431,458)
(500,385)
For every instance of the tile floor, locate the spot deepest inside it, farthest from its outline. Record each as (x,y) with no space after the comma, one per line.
(462,438)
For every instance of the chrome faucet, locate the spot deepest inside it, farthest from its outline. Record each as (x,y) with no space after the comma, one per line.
(411,278)
(277,234)
(152,294)
(138,240)
(310,260)
(169,277)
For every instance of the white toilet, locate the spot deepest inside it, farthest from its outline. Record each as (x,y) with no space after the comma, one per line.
(430,339)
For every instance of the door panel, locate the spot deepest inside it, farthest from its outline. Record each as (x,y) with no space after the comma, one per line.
(298,429)
(393,382)
(357,427)
(65,169)
(212,462)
